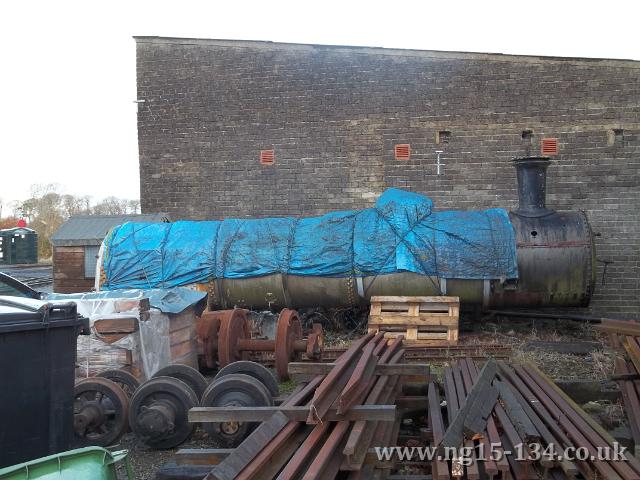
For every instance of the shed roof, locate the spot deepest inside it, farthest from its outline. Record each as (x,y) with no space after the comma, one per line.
(91,229)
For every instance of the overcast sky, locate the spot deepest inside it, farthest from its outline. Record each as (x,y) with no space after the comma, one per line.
(67,71)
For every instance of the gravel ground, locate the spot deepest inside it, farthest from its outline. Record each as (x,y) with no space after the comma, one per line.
(146,461)
(597,365)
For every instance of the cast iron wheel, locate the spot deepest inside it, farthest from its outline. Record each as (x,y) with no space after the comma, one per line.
(233,326)
(207,328)
(127,381)
(187,374)
(240,390)
(100,409)
(253,369)
(159,412)
(288,330)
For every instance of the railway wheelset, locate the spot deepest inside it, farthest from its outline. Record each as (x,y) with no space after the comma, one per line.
(225,336)
(156,411)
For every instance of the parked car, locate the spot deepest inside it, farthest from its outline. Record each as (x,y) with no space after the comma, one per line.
(11,287)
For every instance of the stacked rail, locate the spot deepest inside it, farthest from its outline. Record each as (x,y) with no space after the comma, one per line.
(506,421)
(329,424)
(532,426)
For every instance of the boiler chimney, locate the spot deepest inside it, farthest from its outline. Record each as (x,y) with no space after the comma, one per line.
(532,186)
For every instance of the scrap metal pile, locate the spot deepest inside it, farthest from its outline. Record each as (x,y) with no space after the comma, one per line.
(499,421)
(328,424)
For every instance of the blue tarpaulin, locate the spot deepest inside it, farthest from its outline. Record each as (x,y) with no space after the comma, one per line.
(400,233)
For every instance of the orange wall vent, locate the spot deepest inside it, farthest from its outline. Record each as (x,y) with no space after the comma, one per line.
(403,151)
(267,157)
(549,146)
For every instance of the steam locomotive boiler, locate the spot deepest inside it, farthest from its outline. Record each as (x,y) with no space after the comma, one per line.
(555,254)
(554,250)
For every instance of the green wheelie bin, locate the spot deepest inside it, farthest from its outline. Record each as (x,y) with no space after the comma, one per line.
(88,463)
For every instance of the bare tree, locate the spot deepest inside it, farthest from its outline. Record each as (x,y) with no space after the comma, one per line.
(111,206)
(133,206)
(48,208)
(73,205)
(44,213)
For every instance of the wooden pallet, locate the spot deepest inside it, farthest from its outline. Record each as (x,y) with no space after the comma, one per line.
(429,320)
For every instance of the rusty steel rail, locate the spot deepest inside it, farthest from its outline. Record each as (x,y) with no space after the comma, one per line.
(532,413)
(414,353)
(362,432)
(582,429)
(326,443)
(332,385)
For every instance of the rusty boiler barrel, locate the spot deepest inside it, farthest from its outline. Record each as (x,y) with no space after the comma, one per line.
(556,250)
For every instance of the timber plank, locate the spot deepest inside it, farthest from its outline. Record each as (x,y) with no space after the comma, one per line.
(424,320)
(420,299)
(184,349)
(116,325)
(185,319)
(182,335)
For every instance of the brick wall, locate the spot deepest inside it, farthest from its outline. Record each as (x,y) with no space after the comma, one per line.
(68,271)
(334,114)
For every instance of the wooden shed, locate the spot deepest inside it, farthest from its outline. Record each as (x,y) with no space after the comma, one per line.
(76,244)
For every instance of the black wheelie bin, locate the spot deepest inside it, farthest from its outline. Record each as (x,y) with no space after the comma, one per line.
(38,342)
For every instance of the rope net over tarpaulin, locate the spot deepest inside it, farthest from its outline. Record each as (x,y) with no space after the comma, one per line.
(400,233)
